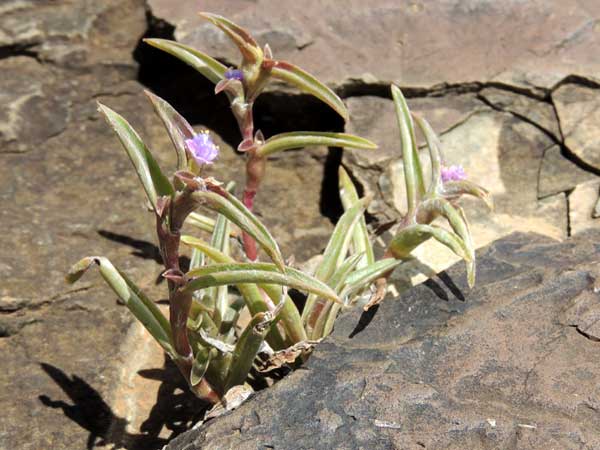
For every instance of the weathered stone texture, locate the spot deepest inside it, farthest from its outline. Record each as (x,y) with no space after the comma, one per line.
(509,364)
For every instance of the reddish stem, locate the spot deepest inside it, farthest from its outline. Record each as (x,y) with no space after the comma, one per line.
(249,242)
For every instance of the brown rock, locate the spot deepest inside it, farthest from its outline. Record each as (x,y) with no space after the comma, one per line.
(539,113)
(498,151)
(579,114)
(582,203)
(505,365)
(542,41)
(558,174)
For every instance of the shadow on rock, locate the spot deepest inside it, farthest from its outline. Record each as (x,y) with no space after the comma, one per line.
(143,249)
(176,409)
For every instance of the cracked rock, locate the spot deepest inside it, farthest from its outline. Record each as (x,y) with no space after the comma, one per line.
(558,174)
(497,150)
(498,366)
(582,203)
(543,41)
(578,109)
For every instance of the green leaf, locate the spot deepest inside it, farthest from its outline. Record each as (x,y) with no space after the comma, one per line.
(235,273)
(306,82)
(336,251)
(144,309)
(247,348)
(407,239)
(336,281)
(433,144)
(155,183)
(361,278)
(252,296)
(413,173)
(456,188)
(225,203)
(220,241)
(178,128)
(201,222)
(458,222)
(360,235)
(201,363)
(207,66)
(297,139)
(240,37)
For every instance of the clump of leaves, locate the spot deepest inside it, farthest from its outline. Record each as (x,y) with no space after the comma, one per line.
(226,309)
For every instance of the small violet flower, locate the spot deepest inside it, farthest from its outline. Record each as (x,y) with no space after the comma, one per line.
(202,148)
(234,74)
(453,173)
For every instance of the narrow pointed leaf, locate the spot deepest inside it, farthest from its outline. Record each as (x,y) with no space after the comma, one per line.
(251,294)
(360,235)
(336,251)
(155,183)
(297,139)
(226,204)
(471,265)
(246,349)
(240,37)
(433,144)
(178,128)
(361,278)
(306,82)
(207,66)
(412,167)
(456,188)
(409,238)
(220,241)
(201,363)
(144,309)
(336,281)
(221,274)
(457,221)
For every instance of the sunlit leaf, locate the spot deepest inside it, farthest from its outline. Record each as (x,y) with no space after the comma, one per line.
(407,239)
(306,82)
(413,173)
(251,294)
(240,37)
(456,188)
(206,65)
(336,251)
(178,128)
(155,183)
(299,139)
(226,204)
(246,349)
(144,309)
(361,278)
(433,144)
(221,274)
(360,234)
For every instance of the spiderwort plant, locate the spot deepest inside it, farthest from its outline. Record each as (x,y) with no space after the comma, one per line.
(427,203)
(243,85)
(213,335)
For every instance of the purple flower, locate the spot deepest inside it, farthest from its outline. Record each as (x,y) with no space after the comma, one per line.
(202,148)
(453,173)
(234,74)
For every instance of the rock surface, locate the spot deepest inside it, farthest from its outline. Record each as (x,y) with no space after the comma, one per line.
(510,364)
(70,379)
(542,41)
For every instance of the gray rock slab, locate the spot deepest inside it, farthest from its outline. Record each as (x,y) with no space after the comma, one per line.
(509,364)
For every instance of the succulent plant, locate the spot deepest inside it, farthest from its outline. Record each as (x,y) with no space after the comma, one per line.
(230,307)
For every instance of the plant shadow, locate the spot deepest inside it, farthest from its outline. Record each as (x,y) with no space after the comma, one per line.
(175,410)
